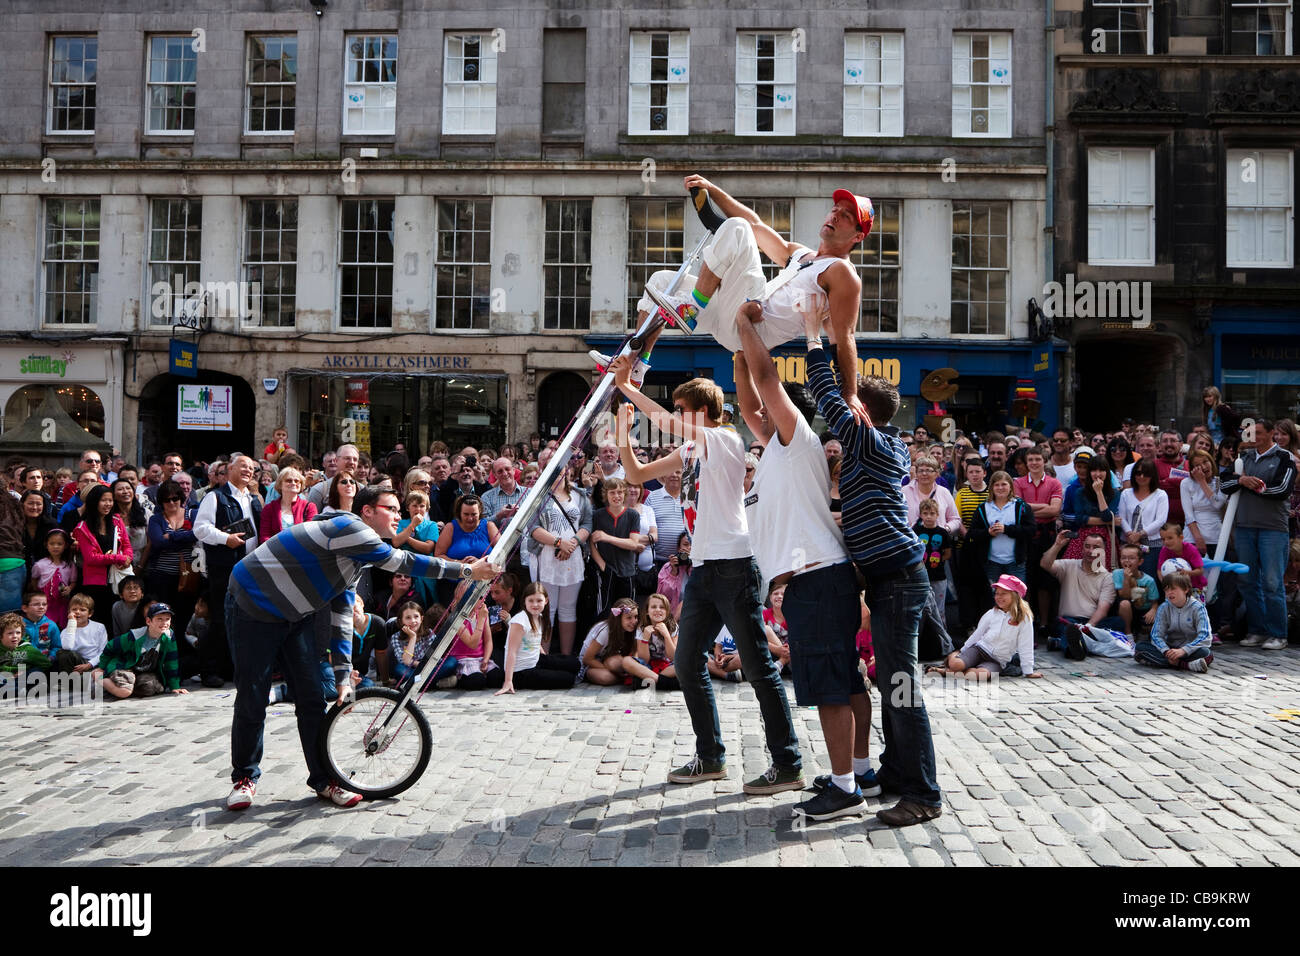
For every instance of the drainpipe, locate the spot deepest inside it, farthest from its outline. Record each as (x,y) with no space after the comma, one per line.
(1049,136)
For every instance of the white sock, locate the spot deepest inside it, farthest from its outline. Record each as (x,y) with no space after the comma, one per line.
(844,781)
(861,765)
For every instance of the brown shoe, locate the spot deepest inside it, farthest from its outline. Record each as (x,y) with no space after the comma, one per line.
(906,814)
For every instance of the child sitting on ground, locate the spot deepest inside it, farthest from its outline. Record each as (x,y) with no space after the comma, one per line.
(16,652)
(197,630)
(412,639)
(55,574)
(143,662)
(1172,545)
(127,613)
(725,662)
(1135,590)
(776,631)
(41,632)
(1005,630)
(1180,636)
(403,592)
(83,639)
(655,646)
(472,649)
(611,640)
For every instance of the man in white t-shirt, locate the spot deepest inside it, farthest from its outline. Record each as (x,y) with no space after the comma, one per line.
(723,587)
(798,545)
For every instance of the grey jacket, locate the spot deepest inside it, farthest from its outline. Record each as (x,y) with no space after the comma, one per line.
(1267,509)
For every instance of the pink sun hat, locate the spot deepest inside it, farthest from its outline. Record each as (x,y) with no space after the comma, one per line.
(1010,582)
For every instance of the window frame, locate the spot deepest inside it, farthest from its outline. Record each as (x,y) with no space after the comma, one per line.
(188,45)
(1289,40)
(249,85)
(1096,6)
(473,264)
(359,264)
(487,54)
(564,267)
(878,233)
(880,85)
(675,211)
(1229,166)
(51,86)
(970,85)
(350,85)
(176,295)
(672,88)
(288,266)
(1005,270)
(1089,205)
(45,292)
(780,39)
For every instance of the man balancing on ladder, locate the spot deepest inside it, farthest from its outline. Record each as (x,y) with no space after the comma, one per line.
(821,281)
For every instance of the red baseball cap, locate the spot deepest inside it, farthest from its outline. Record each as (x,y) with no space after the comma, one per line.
(866,212)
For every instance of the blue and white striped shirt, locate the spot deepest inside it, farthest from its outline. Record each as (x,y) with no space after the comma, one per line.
(875,462)
(316,564)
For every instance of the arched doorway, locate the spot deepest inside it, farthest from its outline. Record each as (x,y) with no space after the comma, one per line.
(1129,375)
(558,399)
(158,433)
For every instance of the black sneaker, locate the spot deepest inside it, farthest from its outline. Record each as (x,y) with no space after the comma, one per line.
(866,783)
(697,770)
(1075,649)
(830,803)
(774,780)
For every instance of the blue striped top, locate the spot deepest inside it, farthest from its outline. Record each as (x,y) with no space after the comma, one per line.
(875,462)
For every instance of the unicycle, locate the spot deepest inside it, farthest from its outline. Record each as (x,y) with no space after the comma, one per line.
(379,743)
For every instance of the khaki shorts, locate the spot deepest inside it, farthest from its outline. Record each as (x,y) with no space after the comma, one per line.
(140,685)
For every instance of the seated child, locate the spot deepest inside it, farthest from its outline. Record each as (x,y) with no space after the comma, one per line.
(472,650)
(83,639)
(41,632)
(369,644)
(196,631)
(1005,630)
(143,662)
(412,638)
(403,592)
(725,662)
(774,628)
(656,646)
(1172,545)
(866,652)
(16,652)
(127,613)
(1180,636)
(1135,590)
(612,639)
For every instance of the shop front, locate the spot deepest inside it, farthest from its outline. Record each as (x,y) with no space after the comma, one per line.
(86,377)
(1257,361)
(979,398)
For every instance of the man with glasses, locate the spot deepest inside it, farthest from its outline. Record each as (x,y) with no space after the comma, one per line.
(172,465)
(1061,463)
(226,524)
(90,461)
(347,461)
(307,571)
(69,514)
(502,501)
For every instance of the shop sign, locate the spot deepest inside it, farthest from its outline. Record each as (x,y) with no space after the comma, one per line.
(398,363)
(358,391)
(184,359)
(45,365)
(204,408)
(794,368)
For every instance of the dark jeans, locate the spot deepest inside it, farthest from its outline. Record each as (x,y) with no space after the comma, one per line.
(726,592)
(215,651)
(256,646)
(896,600)
(1147,653)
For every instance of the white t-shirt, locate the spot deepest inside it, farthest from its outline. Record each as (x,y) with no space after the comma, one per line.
(645,561)
(1064,473)
(88,641)
(721,530)
(791,525)
(530,648)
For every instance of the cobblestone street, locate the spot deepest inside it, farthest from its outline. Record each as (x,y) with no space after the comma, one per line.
(1100,763)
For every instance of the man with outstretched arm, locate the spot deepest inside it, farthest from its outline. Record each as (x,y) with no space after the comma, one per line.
(797,544)
(274,596)
(723,587)
(822,282)
(889,554)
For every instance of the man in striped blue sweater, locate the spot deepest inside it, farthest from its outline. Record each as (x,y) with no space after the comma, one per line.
(274,595)
(888,553)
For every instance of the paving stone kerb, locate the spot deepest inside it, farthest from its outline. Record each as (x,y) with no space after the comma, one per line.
(1111,765)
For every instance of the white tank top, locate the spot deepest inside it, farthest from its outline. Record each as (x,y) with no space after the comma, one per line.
(786,304)
(789,507)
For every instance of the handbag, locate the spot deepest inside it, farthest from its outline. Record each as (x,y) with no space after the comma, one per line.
(187,579)
(116,573)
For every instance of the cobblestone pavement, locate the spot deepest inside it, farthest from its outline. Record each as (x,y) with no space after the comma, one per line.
(1099,763)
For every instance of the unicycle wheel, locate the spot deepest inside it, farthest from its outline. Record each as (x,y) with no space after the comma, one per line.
(368,758)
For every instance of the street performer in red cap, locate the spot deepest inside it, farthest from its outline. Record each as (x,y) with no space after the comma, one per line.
(821,281)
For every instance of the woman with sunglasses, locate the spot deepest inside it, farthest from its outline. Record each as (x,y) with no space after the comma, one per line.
(171,538)
(343,490)
(1119,453)
(288,509)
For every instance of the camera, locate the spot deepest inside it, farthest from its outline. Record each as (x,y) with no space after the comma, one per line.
(1072,534)
(471,461)
(683,559)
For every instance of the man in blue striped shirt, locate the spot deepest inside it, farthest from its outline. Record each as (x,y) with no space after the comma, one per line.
(274,595)
(888,553)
